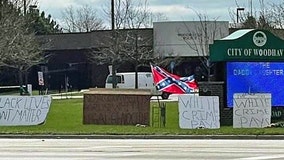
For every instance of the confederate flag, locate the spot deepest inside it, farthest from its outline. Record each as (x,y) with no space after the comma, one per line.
(167,82)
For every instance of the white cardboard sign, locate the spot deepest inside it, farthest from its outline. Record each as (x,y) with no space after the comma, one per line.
(198,111)
(23,110)
(251,110)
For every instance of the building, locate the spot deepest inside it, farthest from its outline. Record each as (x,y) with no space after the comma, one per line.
(187,44)
(69,64)
(183,44)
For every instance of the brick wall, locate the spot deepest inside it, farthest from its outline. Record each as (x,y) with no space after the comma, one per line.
(218,89)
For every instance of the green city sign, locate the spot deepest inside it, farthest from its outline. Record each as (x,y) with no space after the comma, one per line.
(248,45)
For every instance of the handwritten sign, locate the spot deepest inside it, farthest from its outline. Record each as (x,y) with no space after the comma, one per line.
(23,110)
(198,111)
(251,110)
(116,109)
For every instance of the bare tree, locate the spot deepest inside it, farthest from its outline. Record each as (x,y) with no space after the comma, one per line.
(126,43)
(18,47)
(277,16)
(269,16)
(83,19)
(198,39)
(133,14)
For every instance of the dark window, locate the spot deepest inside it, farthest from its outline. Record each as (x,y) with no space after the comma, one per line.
(119,79)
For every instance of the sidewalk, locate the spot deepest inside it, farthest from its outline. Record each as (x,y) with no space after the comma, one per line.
(68,95)
(74,95)
(65,97)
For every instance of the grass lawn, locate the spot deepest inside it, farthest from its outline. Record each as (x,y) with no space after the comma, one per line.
(66,116)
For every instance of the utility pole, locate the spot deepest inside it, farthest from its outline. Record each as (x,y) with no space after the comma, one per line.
(25,7)
(114,80)
(112,15)
(250,7)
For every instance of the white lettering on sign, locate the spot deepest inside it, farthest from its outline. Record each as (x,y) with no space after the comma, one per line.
(251,110)
(234,52)
(198,111)
(23,110)
(40,79)
(268,52)
(269,72)
(248,52)
(242,72)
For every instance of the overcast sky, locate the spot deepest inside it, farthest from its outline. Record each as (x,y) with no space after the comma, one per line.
(174,10)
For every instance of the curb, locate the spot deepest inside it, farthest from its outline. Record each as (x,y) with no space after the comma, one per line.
(236,137)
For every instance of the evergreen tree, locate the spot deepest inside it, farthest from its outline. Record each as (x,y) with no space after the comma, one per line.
(41,24)
(249,22)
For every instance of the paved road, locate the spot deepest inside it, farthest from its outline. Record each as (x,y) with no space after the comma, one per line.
(129,149)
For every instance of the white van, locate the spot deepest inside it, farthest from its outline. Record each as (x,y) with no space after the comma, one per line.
(127,80)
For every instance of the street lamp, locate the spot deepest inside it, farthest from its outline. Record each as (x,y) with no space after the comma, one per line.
(238,10)
(33,9)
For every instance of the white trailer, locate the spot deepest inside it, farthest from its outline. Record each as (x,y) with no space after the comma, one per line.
(127,80)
